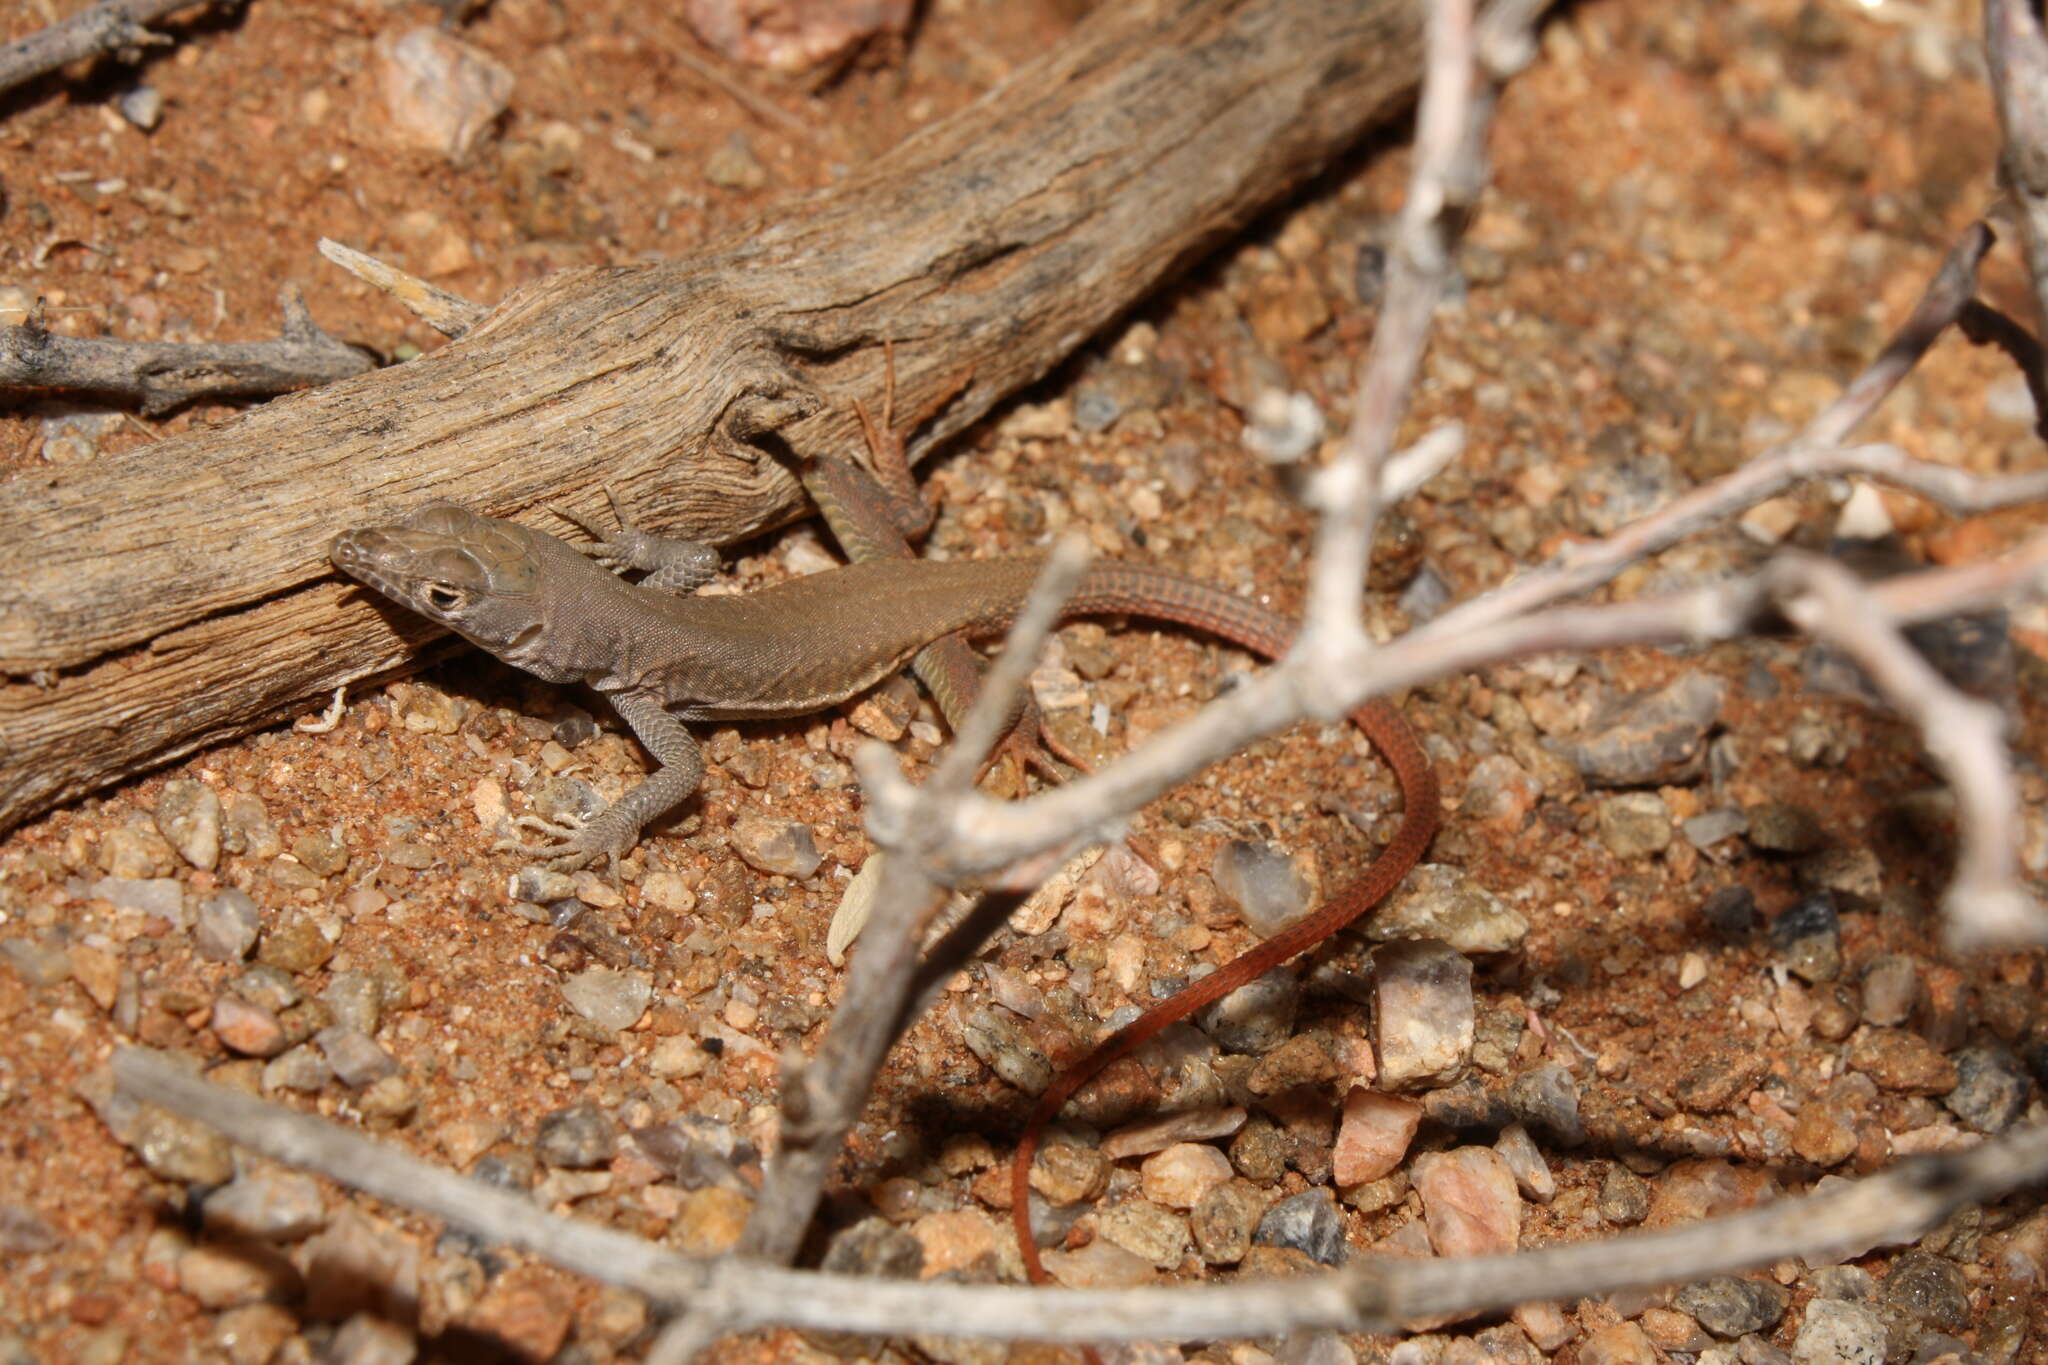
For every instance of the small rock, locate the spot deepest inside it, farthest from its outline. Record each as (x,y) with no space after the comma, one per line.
(579,1136)
(524,1312)
(226,926)
(1731,910)
(1902,1061)
(295,945)
(1256,1017)
(97,972)
(163,897)
(253,1334)
(783,847)
(1500,789)
(1824,1134)
(1182,1175)
(247,1028)
(144,107)
(1891,987)
(954,1239)
(1424,1015)
(1099,1265)
(995,1036)
(1851,1283)
(1441,902)
(1722,1079)
(1731,1306)
(24,1233)
(356,1058)
(1991,1090)
(1270,887)
(1306,1222)
(1150,1135)
(136,852)
(1634,825)
(1927,1291)
(370,1339)
(267,1206)
(1223,1221)
(732,165)
(676,1056)
(1302,1060)
(1469,1202)
(188,813)
(1809,937)
(1651,739)
(301,1068)
(320,853)
(1532,1172)
(1624,1197)
(354,1001)
(610,999)
(1779,827)
(1145,1230)
(538,886)
(1068,1173)
(1547,1096)
(1705,830)
(1838,1333)
(1468,1106)
(1373,1137)
(247,830)
(877,1248)
(1623,1343)
(439,94)
(1546,1324)
(230,1276)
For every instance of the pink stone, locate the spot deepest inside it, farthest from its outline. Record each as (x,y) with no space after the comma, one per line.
(1373,1136)
(247,1028)
(1469,1202)
(1183,1174)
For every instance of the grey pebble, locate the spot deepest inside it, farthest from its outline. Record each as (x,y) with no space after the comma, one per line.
(1733,1306)
(579,1136)
(143,106)
(1624,1197)
(1264,882)
(576,727)
(1424,1014)
(1925,1290)
(1443,902)
(1256,1017)
(1780,827)
(1531,1171)
(1308,1223)
(1731,910)
(266,986)
(1425,596)
(188,813)
(1468,1105)
(995,1036)
(301,1069)
(1649,739)
(1808,937)
(226,926)
(697,1151)
(784,847)
(1891,987)
(1838,1333)
(1223,1221)
(567,801)
(1711,827)
(1547,1096)
(610,999)
(539,886)
(354,1001)
(1991,1089)
(875,1247)
(247,829)
(355,1057)
(163,897)
(268,1206)
(1850,1283)
(373,1339)
(38,963)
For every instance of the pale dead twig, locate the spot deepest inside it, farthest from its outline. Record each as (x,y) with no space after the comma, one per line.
(821,1099)
(105,29)
(2016,53)
(1985,904)
(160,375)
(449,314)
(1371,1295)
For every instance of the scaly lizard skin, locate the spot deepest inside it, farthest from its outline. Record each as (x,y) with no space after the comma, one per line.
(539,603)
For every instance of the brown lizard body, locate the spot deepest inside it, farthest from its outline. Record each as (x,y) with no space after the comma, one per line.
(662,658)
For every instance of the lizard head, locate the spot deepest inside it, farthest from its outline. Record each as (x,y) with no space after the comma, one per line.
(476,575)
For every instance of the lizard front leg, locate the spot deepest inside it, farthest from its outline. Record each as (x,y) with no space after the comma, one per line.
(672,563)
(612,832)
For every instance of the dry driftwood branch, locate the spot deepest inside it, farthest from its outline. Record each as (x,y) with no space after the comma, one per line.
(998,240)
(1371,1295)
(161,375)
(449,314)
(2016,51)
(112,26)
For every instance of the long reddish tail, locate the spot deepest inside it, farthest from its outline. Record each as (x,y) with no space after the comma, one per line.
(1157,594)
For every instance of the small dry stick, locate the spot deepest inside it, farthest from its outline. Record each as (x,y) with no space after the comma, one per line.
(449,314)
(1374,1294)
(160,375)
(2016,51)
(112,26)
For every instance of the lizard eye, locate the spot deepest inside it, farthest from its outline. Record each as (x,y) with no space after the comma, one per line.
(441,597)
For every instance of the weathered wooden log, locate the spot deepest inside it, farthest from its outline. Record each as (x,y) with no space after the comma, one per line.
(180,594)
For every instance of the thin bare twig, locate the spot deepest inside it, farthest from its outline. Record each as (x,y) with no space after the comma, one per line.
(2016,51)
(1372,1295)
(449,314)
(112,26)
(1985,904)
(822,1099)
(160,375)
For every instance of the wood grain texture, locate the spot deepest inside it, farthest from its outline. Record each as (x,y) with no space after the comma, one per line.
(180,594)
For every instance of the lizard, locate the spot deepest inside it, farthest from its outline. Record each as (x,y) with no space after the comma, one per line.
(665,658)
